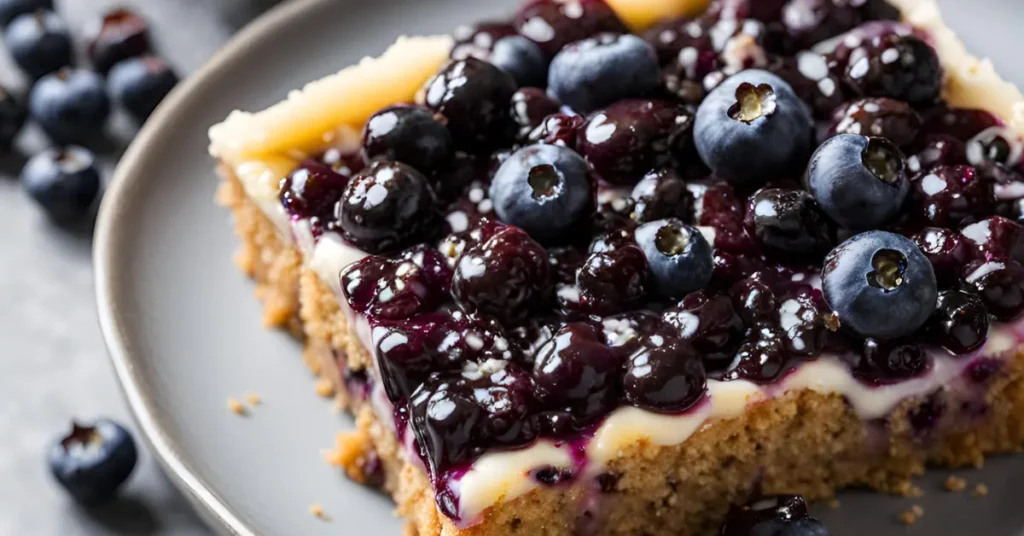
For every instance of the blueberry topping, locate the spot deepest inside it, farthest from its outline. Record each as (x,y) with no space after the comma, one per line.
(576,372)
(613,281)
(808,22)
(773,516)
(10,9)
(937,150)
(959,323)
(530,106)
(661,194)
(859,182)
(999,284)
(886,361)
(996,238)
(70,105)
(679,257)
(65,183)
(394,289)
(598,71)
(901,67)
(12,118)
(408,134)
(507,276)
(948,251)
(386,206)
(521,58)
(710,324)
(116,36)
(753,128)
(878,117)
(473,96)
(310,192)
(946,196)
(39,42)
(140,84)
(664,375)
(789,221)
(554,23)
(880,285)
(809,75)
(763,358)
(995,145)
(753,300)
(558,129)
(544,189)
(92,462)
(628,139)
(477,41)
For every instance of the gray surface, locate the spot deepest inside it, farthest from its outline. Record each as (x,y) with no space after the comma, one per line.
(197,325)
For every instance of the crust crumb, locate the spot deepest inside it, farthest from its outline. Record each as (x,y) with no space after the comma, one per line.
(917,510)
(236,407)
(833,504)
(908,518)
(317,511)
(915,492)
(980,490)
(253,399)
(353,452)
(955,483)
(324,388)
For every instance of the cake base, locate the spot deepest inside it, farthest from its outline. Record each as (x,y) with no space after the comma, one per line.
(804,443)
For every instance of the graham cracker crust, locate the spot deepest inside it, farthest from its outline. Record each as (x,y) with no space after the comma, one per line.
(802,443)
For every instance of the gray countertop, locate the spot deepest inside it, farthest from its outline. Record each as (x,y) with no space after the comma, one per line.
(52,360)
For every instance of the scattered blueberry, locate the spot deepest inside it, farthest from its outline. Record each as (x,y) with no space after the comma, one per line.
(64,182)
(790,221)
(598,71)
(408,134)
(544,189)
(39,42)
(960,322)
(521,58)
(473,96)
(859,182)
(71,105)
(552,24)
(880,285)
(140,84)
(576,372)
(117,35)
(773,516)
(385,207)
(664,375)
(809,75)
(12,118)
(679,257)
(92,462)
(753,128)
(10,9)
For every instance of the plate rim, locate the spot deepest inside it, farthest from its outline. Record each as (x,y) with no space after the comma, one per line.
(108,239)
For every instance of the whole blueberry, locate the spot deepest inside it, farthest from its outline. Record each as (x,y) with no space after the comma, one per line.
(473,96)
(65,182)
(529,107)
(948,251)
(544,189)
(552,24)
(521,58)
(386,206)
(613,281)
(578,372)
(39,42)
(788,220)
(408,134)
(679,257)
(115,36)
(880,285)
(772,516)
(12,118)
(1000,285)
(878,117)
(477,40)
(889,361)
(753,128)
(947,196)
(901,67)
(711,324)
(598,71)
(10,9)
(960,322)
(139,84)
(92,462)
(71,105)
(859,182)
(664,375)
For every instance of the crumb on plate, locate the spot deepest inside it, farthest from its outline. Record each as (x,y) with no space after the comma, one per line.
(324,388)
(980,490)
(955,483)
(318,512)
(235,406)
(253,399)
(833,504)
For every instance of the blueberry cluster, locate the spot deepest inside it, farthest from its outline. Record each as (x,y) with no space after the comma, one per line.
(574,218)
(71,104)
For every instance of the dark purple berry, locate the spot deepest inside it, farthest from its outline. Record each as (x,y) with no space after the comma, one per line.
(960,123)
(937,150)
(10,9)
(521,58)
(710,324)
(478,40)
(395,289)
(996,238)
(386,206)
(552,24)
(613,281)
(891,361)
(310,192)
(960,322)
(12,117)
(762,359)
(754,301)
(995,145)
(808,22)
(140,84)
(473,96)
(946,196)
(948,251)
(808,74)
(596,72)
(664,375)
(878,117)
(661,194)
(789,221)
(558,129)
(408,134)
(772,516)
(65,183)
(71,105)
(93,461)
(899,67)
(530,106)
(39,42)
(115,36)
(999,284)
(575,371)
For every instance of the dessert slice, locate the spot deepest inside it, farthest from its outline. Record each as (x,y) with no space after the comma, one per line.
(572,279)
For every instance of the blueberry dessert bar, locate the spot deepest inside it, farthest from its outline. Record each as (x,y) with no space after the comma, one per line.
(609,266)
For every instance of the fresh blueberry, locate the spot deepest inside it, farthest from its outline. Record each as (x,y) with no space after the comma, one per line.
(679,257)
(386,206)
(880,285)
(92,462)
(960,322)
(790,221)
(521,58)
(859,182)
(613,281)
(598,71)
(772,516)
(12,118)
(664,375)
(71,105)
(139,84)
(553,24)
(10,9)
(473,96)
(661,194)
(408,134)
(64,182)
(753,128)
(575,371)
(117,35)
(544,189)
(39,42)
